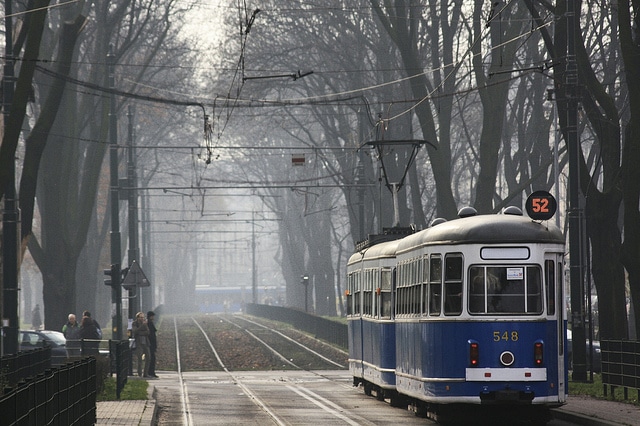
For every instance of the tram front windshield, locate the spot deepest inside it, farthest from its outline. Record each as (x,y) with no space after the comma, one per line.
(509,290)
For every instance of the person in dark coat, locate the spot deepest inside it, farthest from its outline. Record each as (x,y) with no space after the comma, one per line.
(88,314)
(140,330)
(89,337)
(153,343)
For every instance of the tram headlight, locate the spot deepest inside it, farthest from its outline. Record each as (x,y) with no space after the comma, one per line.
(538,350)
(474,353)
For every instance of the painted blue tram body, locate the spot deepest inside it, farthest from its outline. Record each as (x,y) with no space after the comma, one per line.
(478,315)
(370,275)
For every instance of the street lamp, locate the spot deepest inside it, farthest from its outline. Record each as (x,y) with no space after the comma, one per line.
(304,280)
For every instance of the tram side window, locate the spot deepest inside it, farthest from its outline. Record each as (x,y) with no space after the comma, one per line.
(435,284)
(350,294)
(356,294)
(385,294)
(534,291)
(374,294)
(400,290)
(453,284)
(550,286)
(415,286)
(367,292)
(424,279)
(408,288)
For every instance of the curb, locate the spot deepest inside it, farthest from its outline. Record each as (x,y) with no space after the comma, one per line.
(581,419)
(149,416)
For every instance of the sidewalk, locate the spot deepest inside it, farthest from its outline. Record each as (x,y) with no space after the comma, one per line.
(589,411)
(128,413)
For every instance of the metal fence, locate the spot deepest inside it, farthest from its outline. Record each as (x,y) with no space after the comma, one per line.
(620,365)
(16,367)
(322,328)
(59,396)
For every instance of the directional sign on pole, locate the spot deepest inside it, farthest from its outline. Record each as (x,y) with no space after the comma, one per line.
(135,277)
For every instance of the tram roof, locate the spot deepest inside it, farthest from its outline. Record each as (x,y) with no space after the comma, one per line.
(499,228)
(380,250)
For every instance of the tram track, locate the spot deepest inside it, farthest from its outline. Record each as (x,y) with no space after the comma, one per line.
(276,343)
(184,394)
(236,379)
(330,363)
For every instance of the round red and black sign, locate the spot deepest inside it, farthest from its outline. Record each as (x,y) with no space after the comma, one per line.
(541,205)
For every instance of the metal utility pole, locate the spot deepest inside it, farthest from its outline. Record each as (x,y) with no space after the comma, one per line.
(575,223)
(132,254)
(145,247)
(254,272)
(359,181)
(116,254)
(10,213)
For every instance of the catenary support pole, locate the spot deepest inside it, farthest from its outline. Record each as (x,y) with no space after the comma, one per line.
(10,212)
(116,254)
(579,351)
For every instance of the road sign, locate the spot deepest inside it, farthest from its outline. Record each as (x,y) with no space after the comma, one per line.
(135,277)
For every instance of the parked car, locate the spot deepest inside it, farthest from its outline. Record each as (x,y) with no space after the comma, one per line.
(33,339)
(595,353)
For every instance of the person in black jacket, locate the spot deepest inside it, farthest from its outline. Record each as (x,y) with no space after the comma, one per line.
(88,314)
(153,343)
(89,337)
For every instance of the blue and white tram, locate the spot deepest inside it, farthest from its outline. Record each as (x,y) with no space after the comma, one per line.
(372,358)
(478,316)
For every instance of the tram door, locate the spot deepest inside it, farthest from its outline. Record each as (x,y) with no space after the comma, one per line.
(555,309)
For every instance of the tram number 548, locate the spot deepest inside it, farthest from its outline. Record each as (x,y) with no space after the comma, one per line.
(505,336)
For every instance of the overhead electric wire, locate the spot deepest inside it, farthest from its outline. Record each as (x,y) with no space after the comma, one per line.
(51,6)
(233,102)
(119,92)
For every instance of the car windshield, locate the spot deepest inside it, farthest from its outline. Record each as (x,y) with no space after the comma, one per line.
(55,336)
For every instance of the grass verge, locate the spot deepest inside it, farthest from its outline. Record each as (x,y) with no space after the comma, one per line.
(596,390)
(133,390)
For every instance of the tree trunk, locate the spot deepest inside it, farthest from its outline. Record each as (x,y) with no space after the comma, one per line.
(630,47)
(23,89)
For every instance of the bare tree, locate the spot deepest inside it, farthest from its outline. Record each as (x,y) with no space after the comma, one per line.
(65,151)
(601,182)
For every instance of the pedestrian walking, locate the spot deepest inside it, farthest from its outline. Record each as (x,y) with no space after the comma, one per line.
(140,330)
(153,343)
(71,331)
